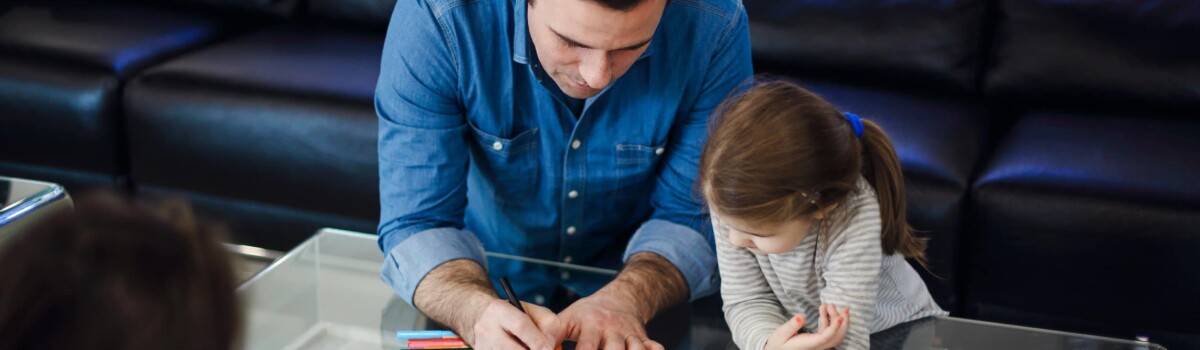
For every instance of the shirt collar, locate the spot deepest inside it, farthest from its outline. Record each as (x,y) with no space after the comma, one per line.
(520,33)
(520,44)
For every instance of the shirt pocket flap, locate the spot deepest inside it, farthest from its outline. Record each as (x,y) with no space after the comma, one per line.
(524,141)
(639,154)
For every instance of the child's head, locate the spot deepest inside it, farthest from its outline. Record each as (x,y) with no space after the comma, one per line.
(116,274)
(780,159)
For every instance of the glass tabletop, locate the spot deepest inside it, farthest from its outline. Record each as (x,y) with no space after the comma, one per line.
(327,294)
(24,203)
(18,196)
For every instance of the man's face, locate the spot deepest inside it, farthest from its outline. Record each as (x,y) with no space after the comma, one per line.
(585,46)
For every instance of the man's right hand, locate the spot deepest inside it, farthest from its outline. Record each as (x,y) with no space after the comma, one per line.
(458,294)
(502,326)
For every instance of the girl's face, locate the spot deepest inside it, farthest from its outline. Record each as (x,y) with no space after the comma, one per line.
(767,238)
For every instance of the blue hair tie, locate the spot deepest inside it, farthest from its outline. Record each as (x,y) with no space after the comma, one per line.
(855,122)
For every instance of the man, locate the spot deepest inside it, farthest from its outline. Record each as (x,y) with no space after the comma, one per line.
(565,130)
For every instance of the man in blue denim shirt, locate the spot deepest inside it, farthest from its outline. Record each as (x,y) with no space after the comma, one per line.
(565,130)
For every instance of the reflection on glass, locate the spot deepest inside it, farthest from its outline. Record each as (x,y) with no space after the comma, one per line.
(22,202)
(957,333)
(14,191)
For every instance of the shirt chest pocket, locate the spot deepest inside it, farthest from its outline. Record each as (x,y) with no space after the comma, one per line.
(509,166)
(635,167)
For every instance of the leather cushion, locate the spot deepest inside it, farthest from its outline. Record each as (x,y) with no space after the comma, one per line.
(1131,158)
(57,116)
(915,44)
(1098,53)
(283,117)
(117,38)
(291,58)
(1093,219)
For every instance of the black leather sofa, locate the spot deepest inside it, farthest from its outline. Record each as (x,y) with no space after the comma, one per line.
(259,111)
(1048,145)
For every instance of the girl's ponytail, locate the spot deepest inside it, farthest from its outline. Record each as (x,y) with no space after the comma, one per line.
(881,167)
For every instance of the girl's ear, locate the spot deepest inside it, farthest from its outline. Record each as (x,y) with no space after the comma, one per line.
(824,212)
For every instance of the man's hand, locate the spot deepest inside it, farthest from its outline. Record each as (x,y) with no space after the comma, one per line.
(834,324)
(459,295)
(502,326)
(615,317)
(603,322)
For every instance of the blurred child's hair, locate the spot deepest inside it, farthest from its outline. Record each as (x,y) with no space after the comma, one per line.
(778,152)
(116,274)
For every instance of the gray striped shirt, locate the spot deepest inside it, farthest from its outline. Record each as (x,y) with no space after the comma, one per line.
(761,292)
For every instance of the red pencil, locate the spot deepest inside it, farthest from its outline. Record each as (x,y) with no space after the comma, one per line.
(444,343)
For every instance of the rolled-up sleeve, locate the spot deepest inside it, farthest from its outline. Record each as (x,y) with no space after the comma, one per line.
(678,230)
(423,155)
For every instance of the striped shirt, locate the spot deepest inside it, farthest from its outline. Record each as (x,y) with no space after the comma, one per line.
(845,267)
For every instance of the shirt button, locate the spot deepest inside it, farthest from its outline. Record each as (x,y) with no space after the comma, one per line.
(573,194)
(576,144)
(565,275)
(659,151)
(539,299)
(571,230)
(567,260)
(497,146)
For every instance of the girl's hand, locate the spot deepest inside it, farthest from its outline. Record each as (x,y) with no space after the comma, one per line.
(834,324)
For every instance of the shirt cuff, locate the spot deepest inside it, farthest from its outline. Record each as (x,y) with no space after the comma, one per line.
(407,263)
(684,247)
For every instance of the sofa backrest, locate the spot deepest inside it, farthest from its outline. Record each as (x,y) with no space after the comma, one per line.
(916,44)
(240,8)
(273,7)
(373,13)
(1120,54)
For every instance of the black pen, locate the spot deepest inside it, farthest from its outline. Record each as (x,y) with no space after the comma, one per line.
(512,299)
(512,296)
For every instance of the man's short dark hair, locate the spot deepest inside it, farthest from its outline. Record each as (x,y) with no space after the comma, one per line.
(619,5)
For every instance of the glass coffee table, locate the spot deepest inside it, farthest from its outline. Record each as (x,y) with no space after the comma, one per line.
(327,294)
(23,202)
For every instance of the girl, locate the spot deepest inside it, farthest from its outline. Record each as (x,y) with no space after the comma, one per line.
(808,211)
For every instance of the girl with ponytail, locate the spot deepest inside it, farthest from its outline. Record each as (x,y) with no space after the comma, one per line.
(808,208)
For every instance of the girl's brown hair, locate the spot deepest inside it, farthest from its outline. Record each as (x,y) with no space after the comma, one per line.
(778,152)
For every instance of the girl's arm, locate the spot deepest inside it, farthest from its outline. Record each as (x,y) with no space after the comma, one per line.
(852,267)
(751,308)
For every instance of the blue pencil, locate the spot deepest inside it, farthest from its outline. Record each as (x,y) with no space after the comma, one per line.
(402,335)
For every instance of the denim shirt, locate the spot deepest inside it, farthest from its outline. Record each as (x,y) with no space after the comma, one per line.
(479,151)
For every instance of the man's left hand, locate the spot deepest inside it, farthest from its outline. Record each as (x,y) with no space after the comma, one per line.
(615,317)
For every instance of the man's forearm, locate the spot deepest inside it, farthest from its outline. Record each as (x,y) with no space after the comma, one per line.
(651,282)
(454,294)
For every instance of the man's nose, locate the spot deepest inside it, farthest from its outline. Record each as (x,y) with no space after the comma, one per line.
(596,69)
